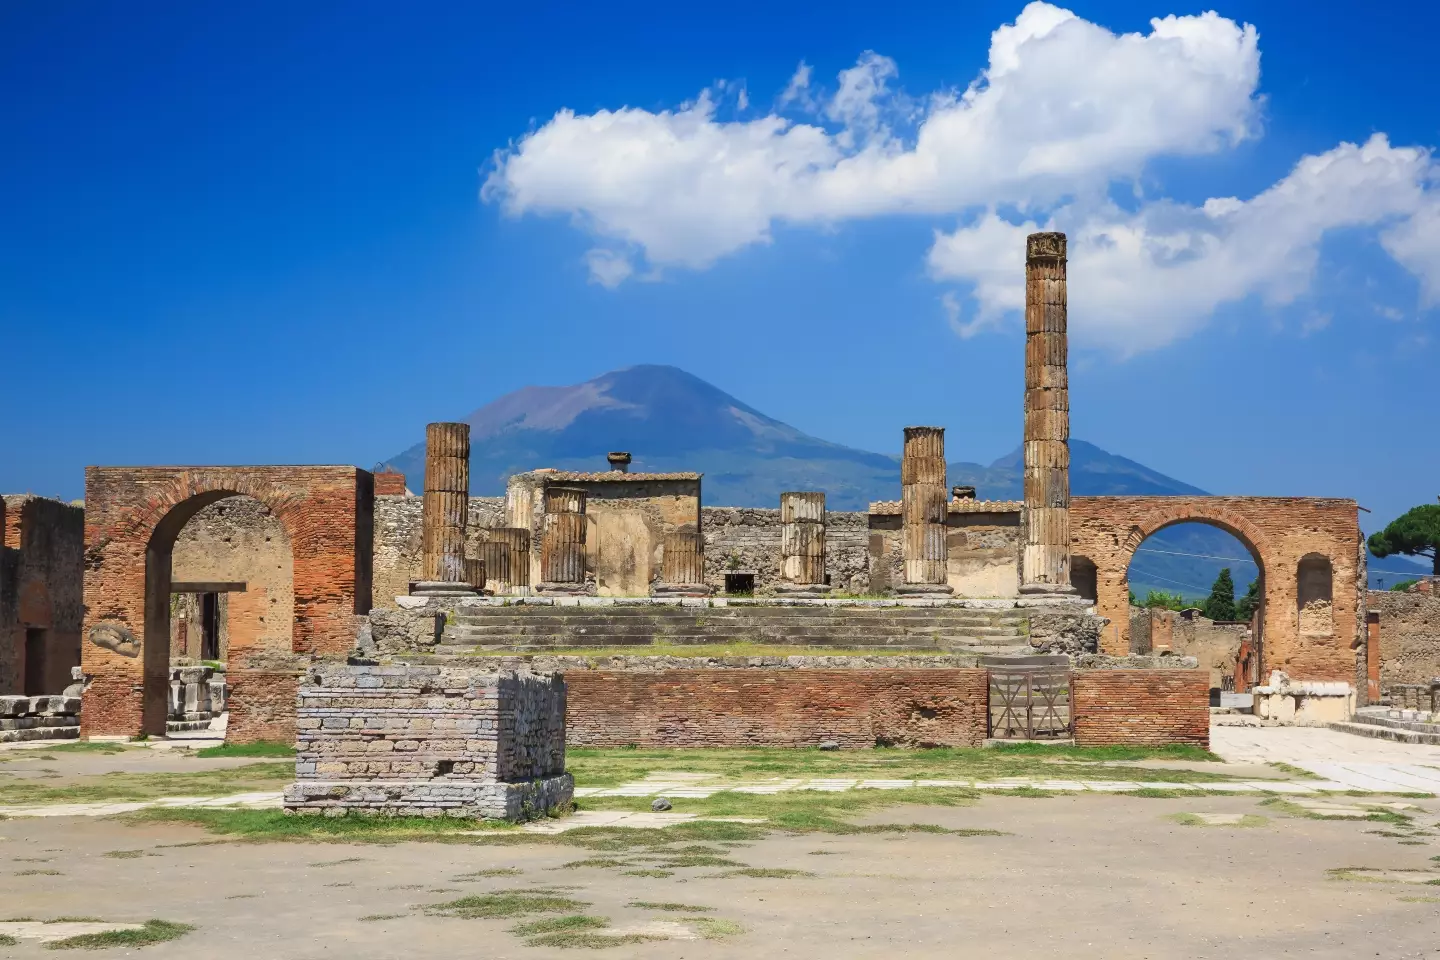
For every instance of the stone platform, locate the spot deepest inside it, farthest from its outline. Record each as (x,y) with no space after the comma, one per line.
(429,741)
(39,718)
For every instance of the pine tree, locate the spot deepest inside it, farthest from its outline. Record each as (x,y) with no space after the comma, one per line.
(1416,533)
(1221,603)
(1246,606)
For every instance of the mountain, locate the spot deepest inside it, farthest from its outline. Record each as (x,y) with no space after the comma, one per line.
(671,420)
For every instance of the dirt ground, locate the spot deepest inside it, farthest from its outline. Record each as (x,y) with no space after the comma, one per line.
(1085,875)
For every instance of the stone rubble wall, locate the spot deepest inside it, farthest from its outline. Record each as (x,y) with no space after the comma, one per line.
(398,533)
(1409,636)
(748,539)
(429,741)
(196,693)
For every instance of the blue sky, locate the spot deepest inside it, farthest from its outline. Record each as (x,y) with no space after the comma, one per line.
(256,235)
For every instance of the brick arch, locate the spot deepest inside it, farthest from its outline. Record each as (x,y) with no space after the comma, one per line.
(133,516)
(1278,531)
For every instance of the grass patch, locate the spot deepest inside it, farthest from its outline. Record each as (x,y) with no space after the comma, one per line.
(491,906)
(491,872)
(575,921)
(149,786)
(261,748)
(1299,773)
(1194,820)
(589,940)
(613,767)
(598,862)
(715,928)
(154,931)
(372,917)
(87,746)
(669,907)
(8,941)
(39,873)
(274,825)
(648,872)
(775,873)
(126,854)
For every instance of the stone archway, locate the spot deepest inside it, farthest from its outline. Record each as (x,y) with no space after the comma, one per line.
(1277,531)
(133,516)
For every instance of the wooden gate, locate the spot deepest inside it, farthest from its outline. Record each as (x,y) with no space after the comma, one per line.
(1029,697)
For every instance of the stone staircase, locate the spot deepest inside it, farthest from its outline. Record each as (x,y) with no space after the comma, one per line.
(810,630)
(1388,723)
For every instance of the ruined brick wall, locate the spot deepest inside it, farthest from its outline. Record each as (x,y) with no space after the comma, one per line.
(261,705)
(1141,707)
(1409,636)
(238,540)
(397,539)
(41,577)
(789,708)
(326,511)
(748,538)
(1280,531)
(1215,645)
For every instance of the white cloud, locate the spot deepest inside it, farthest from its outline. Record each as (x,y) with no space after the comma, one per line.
(1139,280)
(1064,110)
(608,268)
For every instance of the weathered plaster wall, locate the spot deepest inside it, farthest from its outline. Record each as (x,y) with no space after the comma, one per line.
(982,541)
(238,540)
(1280,531)
(41,573)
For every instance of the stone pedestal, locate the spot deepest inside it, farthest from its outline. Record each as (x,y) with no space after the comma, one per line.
(682,566)
(922,513)
(802,545)
(429,742)
(1045,561)
(446,509)
(562,544)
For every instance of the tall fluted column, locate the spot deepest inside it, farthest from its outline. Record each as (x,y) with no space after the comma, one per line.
(802,544)
(922,511)
(562,544)
(682,565)
(446,506)
(1045,566)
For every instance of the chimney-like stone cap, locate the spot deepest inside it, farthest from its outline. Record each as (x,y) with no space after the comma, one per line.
(962,493)
(619,460)
(1045,246)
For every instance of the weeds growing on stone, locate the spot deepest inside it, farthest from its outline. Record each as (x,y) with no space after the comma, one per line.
(154,931)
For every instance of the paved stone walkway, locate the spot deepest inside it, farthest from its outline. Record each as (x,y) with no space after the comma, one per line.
(248,801)
(1360,763)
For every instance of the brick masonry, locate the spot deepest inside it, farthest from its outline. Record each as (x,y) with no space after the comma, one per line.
(777,708)
(1280,532)
(861,708)
(327,513)
(261,705)
(429,741)
(42,546)
(1141,707)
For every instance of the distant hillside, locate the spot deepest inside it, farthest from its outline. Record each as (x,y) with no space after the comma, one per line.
(671,420)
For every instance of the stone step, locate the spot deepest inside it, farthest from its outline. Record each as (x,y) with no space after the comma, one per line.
(446,651)
(1395,723)
(1378,732)
(926,638)
(867,623)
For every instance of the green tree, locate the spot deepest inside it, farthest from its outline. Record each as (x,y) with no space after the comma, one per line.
(1416,533)
(1220,605)
(1246,606)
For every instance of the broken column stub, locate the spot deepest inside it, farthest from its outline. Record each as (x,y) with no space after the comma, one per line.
(923,512)
(802,544)
(682,565)
(429,741)
(506,554)
(445,510)
(1045,561)
(562,544)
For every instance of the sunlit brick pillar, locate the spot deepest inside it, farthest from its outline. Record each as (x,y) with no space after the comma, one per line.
(445,509)
(1045,565)
(922,512)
